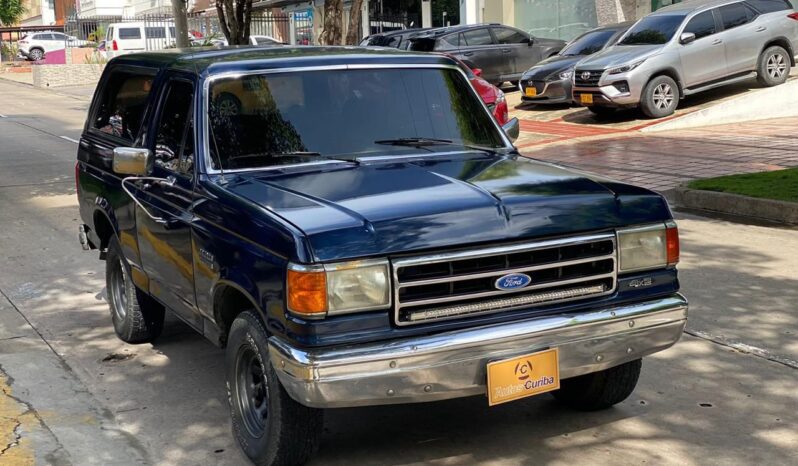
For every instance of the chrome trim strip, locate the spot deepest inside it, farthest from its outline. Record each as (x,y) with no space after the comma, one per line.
(205,143)
(458,278)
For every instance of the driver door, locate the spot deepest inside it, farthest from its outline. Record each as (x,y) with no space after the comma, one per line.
(164,229)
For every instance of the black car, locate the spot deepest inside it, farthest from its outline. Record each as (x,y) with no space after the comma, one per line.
(549,82)
(395,39)
(501,52)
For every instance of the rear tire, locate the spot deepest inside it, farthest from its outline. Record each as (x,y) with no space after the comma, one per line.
(599,390)
(774,66)
(36,54)
(271,428)
(137,317)
(660,97)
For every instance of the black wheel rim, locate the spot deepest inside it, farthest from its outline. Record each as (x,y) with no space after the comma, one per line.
(252,393)
(118,290)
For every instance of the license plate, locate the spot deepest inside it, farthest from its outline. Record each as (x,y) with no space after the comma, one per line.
(531,91)
(586,99)
(528,375)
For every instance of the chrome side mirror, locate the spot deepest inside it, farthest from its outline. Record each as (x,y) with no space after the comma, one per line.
(132,161)
(686,38)
(512,128)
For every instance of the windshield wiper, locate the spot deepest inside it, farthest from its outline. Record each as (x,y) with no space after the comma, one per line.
(426,142)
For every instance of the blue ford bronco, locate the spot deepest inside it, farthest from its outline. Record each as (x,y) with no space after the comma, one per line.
(354,228)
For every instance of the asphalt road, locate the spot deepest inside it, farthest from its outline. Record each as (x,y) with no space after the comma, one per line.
(74,394)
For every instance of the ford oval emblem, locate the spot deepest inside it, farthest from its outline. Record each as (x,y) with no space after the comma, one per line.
(513,281)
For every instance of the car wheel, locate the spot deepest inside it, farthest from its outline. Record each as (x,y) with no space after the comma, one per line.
(137,317)
(660,97)
(268,424)
(599,390)
(227,105)
(601,111)
(36,54)
(774,66)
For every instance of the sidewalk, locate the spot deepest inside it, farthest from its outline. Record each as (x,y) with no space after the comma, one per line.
(661,161)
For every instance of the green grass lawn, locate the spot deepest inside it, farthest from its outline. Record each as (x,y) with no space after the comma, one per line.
(781,185)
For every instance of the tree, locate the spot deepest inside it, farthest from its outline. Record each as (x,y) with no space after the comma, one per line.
(353,33)
(11,12)
(333,22)
(235,17)
(181,23)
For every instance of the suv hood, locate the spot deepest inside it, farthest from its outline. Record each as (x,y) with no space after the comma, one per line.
(384,208)
(618,55)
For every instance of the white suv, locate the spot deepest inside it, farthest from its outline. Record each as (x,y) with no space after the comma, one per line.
(35,45)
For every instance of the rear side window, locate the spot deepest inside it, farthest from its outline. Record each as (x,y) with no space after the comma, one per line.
(509,36)
(154,32)
(122,104)
(450,41)
(174,143)
(770,6)
(477,37)
(701,25)
(129,33)
(735,15)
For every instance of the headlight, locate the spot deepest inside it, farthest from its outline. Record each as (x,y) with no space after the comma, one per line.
(566,74)
(626,68)
(648,247)
(331,289)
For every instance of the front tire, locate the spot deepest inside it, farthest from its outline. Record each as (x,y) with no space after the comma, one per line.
(599,390)
(137,317)
(774,66)
(271,428)
(660,97)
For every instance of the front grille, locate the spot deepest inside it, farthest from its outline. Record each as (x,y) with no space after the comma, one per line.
(581,78)
(454,285)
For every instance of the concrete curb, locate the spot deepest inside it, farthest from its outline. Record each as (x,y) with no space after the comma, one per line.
(735,204)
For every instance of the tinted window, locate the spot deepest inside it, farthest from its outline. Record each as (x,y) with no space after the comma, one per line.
(259,120)
(735,15)
(173,127)
(152,32)
(477,37)
(510,36)
(769,6)
(129,33)
(59,36)
(588,44)
(450,41)
(122,104)
(701,25)
(653,30)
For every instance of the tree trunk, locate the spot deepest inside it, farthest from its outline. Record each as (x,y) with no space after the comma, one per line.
(235,17)
(333,22)
(355,23)
(181,23)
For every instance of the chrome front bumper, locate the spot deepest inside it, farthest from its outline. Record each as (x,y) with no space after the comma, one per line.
(452,364)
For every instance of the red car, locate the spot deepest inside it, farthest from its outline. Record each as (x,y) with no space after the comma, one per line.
(490,94)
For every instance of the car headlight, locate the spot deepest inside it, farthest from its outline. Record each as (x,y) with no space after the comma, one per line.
(648,247)
(332,289)
(566,74)
(626,68)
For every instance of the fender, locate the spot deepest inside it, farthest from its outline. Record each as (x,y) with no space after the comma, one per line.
(127,238)
(216,330)
(781,41)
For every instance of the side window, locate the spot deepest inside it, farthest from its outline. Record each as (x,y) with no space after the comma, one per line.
(770,6)
(452,41)
(129,33)
(174,142)
(122,104)
(155,33)
(735,15)
(110,34)
(479,36)
(509,36)
(59,36)
(701,25)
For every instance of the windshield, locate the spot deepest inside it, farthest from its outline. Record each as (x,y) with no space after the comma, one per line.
(653,30)
(588,44)
(283,118)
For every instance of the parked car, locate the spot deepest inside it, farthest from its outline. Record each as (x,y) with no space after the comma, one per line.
(501,52)
(35,45)
(396,39)
(365,234)
(688,48)
(493,97)
(222,42)
(549,82)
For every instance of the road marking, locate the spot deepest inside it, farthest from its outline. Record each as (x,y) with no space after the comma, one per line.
(69,139)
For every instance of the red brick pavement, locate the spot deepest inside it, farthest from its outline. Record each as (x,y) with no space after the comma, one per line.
(662,161)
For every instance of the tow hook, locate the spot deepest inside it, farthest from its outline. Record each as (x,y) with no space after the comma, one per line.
(84,240)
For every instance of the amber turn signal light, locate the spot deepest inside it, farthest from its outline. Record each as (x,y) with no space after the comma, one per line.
(672,241)
(307,293)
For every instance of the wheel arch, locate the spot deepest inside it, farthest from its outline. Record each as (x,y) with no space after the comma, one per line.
(229,300)
(782,42)
(671,73)
(104,220)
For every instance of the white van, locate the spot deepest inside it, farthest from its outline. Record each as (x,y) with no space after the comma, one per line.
(122,38)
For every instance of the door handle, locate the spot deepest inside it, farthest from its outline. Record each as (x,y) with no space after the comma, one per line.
(717,41)
(761,28)
(468,54)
